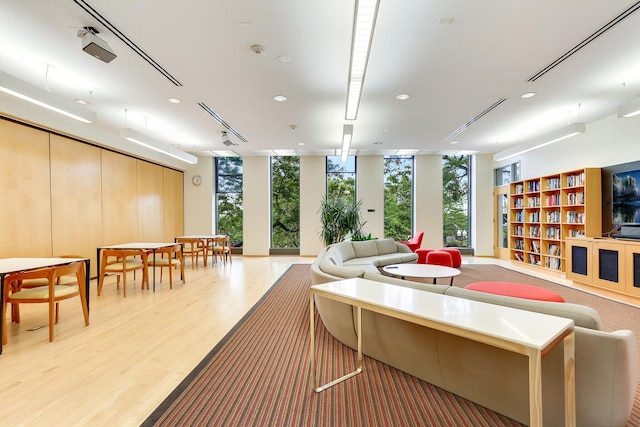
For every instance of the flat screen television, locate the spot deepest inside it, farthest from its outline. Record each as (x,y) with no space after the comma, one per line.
(625,197)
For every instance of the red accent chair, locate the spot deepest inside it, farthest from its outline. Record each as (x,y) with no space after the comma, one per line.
(440,258)
(415,242)
(456,257)
(422,254)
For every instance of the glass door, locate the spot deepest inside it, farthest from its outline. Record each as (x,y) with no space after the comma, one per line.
(501,222)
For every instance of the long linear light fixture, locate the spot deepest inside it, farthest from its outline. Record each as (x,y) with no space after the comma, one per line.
(146,141)
(347,134)
(28,92)
(364,23)
(629,109)
(550,138)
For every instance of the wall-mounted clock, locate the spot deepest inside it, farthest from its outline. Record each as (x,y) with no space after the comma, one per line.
(196,180)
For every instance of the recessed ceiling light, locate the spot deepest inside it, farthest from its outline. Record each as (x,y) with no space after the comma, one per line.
(445,21)
(385,130)
(284,58)
(82,101)
(403,96)
(300,143)
(246,24)
(378,143)
(174,100)
(454,142)
(280,98)
(528,95)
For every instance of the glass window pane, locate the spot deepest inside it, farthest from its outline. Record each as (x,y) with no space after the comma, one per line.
(229,198)
(455,200)
(285,202)
(398,197)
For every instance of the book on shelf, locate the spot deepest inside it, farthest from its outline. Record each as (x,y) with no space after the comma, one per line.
(552,263)
(553,183)
(535,246)
(553,250)
(519,256)
(575,180)
(534,259)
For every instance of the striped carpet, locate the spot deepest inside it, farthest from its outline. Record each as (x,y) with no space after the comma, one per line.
(258,375)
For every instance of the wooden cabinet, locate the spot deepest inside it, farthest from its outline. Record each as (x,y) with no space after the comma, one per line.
(545,211)
(605,263)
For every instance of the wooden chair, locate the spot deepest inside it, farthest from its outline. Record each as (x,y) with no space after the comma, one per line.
(222,248)
(194,248)
(125,261)
(52,293)
(170,257)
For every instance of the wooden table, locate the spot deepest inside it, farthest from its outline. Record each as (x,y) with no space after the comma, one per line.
(15,265)
(421,271)
(136,246)
(524,332)
(208,238)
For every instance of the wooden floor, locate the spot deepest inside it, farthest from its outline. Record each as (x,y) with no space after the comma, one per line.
(137,349)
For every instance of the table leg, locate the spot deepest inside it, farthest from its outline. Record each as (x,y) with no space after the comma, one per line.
(359,369)
(87,280)
(2,309)
(569,381)
(98,267)
(535,388)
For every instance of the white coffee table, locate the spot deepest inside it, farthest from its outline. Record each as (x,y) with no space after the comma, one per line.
(421,271)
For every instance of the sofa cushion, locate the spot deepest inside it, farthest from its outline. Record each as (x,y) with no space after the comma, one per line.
(339,271)
(582,315)
(365,248)
(342,251)
(386,246)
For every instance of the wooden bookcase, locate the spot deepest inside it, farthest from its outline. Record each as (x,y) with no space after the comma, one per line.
(547,210)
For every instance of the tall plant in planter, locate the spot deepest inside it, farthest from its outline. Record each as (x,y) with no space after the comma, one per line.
(340,219)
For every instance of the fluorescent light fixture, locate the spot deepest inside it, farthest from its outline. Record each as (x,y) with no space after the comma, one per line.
(161,147)
(31,93)
(363,25)
(550,138)
(347,134)
(284,153)
(630,109)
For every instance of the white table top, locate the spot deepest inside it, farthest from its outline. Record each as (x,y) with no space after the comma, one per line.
(202,236)
(420,270)
(138,246)
(533,330)
(12,265)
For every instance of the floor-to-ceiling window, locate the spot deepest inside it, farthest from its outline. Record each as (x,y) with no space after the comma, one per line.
(398,197)
(229,198)
(285,202)
(455,200)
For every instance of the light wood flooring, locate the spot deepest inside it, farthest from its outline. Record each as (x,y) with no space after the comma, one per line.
(136,350)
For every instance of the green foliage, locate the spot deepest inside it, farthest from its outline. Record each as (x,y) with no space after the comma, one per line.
(285,202)
(455,200)
(229,198)
(398,200)
(340,220)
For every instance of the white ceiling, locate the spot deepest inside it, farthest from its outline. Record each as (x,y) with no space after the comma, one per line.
(452,71)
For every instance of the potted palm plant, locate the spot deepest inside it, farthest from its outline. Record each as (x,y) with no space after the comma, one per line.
(341,220)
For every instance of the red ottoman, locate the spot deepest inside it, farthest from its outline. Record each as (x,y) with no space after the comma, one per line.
(518,290)
(422,255)
(440,258)
(456,257)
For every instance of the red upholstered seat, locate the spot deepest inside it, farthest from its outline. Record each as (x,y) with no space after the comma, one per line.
(440,258)
(422,254)
(456,256)
(415,242)
(518,290)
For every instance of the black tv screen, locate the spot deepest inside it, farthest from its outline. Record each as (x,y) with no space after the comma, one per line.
(625,197)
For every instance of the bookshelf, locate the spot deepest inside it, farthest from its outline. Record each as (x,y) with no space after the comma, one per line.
(547,210)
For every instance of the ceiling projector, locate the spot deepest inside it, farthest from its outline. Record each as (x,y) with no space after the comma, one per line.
(95,46)
(225,139)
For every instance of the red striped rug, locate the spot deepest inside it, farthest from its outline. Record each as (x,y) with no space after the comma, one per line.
(258,375)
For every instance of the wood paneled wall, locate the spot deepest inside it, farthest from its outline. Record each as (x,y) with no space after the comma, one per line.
(60,196)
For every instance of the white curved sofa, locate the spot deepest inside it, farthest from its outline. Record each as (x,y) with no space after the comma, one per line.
(606,363)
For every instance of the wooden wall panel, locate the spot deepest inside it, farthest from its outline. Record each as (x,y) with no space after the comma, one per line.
(119,199)
(25,217)
(150,202)
(173,204)
(76,198)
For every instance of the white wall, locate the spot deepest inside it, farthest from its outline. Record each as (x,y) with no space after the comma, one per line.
(256,197)
(312,188)
(198,200)
(370,189)
(428,200)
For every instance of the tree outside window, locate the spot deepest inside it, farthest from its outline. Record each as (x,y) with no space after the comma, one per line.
(285,202)
(398,197)
(455,200)
(229,198)
(341,178)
